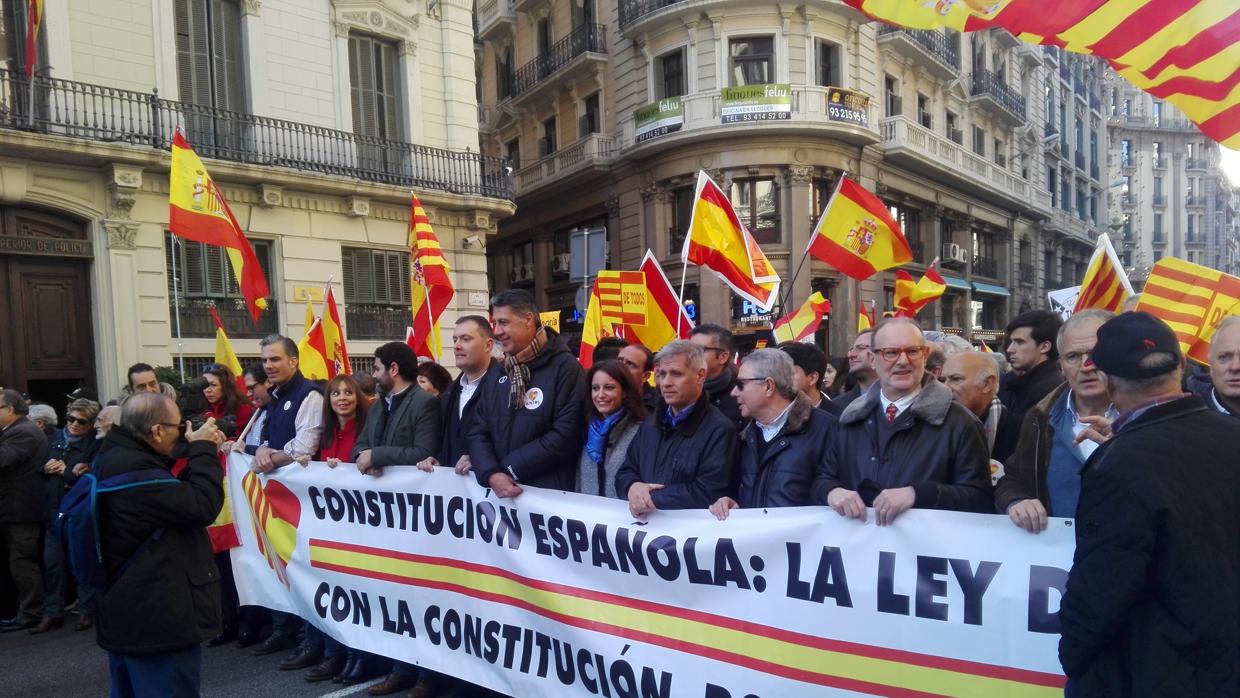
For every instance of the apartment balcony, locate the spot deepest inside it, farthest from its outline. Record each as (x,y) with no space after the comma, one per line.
(1028,273)
(986,266)
(702,121)
(1160,200)
(932,49)
(1065,69)
(989,89)
(496,18)
(1128,201)
(92,112)
(579,55)
(559,170)
(1095,103)
(1071,226)
(1195,201)
(1094,173)
(1195,163)
(196,320)
(913,146)
(376,321)
(633,10)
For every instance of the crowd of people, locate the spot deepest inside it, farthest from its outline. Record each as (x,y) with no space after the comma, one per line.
(1097,418)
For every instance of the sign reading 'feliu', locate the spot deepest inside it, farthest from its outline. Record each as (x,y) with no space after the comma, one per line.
(755,103)
(658,119)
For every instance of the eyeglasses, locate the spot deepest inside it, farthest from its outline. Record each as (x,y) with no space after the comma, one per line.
(716,349)
(78,420)
(859,347)
(892,354)
(171,425)
(743,381)
(1076,358)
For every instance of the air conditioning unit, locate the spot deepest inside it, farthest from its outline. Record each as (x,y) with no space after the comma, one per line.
(561,262)
(953,253)
(527,272)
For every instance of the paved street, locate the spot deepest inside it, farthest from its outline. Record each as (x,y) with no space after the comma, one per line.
(69,664)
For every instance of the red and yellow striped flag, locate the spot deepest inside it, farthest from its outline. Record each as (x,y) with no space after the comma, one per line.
(666,318)
(1192,300)
(432,289)
(805,321)
(865,320)
(1105,285)
(622,297)
(911,297)
(857,235)
(1183,51)
(593,328)
(717,240)
(197,211)
(312,349)
(224,354)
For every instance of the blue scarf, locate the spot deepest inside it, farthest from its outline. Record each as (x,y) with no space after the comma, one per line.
(596,439)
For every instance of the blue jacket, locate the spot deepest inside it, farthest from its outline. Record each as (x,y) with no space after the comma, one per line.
(538,444)
(781,474)
(693,460)
(281,425)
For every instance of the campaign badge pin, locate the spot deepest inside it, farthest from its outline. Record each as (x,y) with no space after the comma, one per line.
(288,405)
(533,398)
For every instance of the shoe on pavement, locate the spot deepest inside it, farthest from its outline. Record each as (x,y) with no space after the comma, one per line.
(425,688)
(304,658)
(47,625)
(326,669)
(395,681)
(85,622)
(273,644)
(9,625)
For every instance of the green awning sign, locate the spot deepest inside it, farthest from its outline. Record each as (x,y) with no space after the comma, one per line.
(755,103)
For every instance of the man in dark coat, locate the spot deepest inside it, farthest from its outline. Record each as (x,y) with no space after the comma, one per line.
(529,427)
(1152,605)
(1223,395)
(904,444)
(162,595)
(23,451)
(716,342)
(860,369)
(472,344)
(1035,372)
(786,438)
(683,455)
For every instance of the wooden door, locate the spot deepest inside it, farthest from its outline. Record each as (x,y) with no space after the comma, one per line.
(49,340)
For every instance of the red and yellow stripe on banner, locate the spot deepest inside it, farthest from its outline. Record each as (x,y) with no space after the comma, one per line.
(1192,300)
(784,653)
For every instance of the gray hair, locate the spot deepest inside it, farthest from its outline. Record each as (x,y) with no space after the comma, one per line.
(955,344)
(143,411)
(695,358)
(986,368)
(1228,322)
(1097,314)
(777,366)
(43,415)
(290,347)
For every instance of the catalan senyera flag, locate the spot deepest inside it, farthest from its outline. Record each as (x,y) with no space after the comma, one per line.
(622,297)
(1183,51)
(333,336)
(1105,285)
(805,321)
(1192,300)
(593,328)
(197,211)
(857,235)
(666,318)
(224,354)
(717,240)
(312,349)
(911,297)
(34,20)
(432,289)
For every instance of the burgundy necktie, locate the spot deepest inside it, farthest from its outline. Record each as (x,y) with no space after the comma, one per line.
(892,411)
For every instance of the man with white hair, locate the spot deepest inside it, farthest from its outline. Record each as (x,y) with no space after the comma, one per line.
(1225,368)
(1043,475)
(973,378)
(784,441)
(683,454)
(904,443)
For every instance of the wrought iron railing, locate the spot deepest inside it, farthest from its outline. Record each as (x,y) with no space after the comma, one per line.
(196,319)
(989,84)
(985,266)
(932,41)
(633,10)
(377,321)
(588,38)
(108,114)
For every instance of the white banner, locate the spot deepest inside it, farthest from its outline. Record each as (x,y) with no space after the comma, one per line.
(564,594)
(1063,301)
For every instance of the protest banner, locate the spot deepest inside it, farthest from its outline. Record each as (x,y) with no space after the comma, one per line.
(564,594)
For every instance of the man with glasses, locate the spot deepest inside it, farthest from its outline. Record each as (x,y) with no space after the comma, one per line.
(716,343)
(904,444)
(860,367)
(23,451)
(1043,475)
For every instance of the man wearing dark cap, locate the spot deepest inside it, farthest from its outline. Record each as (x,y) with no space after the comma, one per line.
(1152,604)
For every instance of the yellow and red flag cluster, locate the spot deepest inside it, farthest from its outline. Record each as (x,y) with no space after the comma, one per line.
(1192,300)
(805,321)
(717,240)
(1183,51)
(865,319)
(857,235)
(333,337)
(911,297)
(1105,285)
(312,349)
(197,211)
(665,318)
(432,288)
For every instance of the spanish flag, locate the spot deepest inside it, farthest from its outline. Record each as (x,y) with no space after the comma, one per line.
(911,297)
(312,349)
(718,241)
(1183,51)
(1192,300)
(805,321)
(197,211)
(224,354)
(333,337)
(432,289)
(865,320)
(34,20)
(1105,284)
(857,235)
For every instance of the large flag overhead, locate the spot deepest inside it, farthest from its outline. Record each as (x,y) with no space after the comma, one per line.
(911,297)
(1192,300)
(197,211)
(333,336)
(857,235)
(1105,284)
(432,289)
(224,354)
(1184,51)
(719,241)
(805,321)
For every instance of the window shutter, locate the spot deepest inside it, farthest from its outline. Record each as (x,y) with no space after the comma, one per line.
(262,250)
(365,277)
(192,269)
(398,278)
(350,280)
(218,269)
(389,125)
(226,53)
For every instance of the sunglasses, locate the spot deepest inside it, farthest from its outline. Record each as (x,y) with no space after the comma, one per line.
(78,421)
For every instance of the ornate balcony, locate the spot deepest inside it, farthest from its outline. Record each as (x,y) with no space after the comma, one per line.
(495,17)
(988,88)
(593,152)
(568,59)
(376,321)
(942,51)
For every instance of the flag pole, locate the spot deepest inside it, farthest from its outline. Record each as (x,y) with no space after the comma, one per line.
(680,298)
(176,304)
